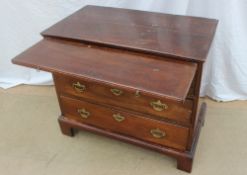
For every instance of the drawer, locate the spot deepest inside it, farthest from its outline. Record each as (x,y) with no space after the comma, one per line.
(125,98)
(125,123)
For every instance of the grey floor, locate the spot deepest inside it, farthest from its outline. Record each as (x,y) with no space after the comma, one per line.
(32,144)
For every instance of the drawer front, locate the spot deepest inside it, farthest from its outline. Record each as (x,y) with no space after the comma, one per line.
(124,123)
(125,98)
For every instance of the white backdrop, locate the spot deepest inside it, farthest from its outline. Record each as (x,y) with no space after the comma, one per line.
(225,72)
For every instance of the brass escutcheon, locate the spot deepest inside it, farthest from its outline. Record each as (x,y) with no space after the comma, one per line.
(158,105)
(83,113)
(157,133)
(118,117)
(116,92)
(79,87)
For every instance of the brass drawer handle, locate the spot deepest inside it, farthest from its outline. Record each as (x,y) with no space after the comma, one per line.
(118,117)
(158,105)
(157,133)
(83,113)
(116,92)
(79,87)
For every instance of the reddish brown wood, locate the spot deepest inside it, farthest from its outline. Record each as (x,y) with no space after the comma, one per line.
(169,78)
(66,129)
(181,156)
(132,125)
(100,93)
(185,163)
(156,33)
(196,95)
(85,48)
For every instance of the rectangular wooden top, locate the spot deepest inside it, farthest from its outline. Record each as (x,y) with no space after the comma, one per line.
(150,74)
(162,34)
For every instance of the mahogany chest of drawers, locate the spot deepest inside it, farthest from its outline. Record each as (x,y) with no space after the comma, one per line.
(130,75)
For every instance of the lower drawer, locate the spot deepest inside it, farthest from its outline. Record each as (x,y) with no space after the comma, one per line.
(125,123)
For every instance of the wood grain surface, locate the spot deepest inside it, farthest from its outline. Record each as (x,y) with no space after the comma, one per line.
(130,75)
(132,125)
(156,33)
(166,77)
(178,112)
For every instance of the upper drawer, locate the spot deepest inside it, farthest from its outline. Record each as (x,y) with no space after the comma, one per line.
(125,97)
